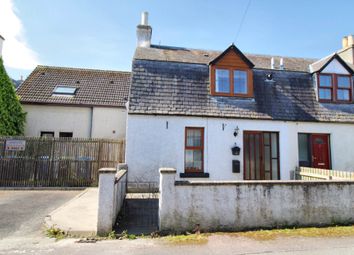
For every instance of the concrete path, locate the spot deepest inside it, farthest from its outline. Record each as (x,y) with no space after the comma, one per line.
(78,216)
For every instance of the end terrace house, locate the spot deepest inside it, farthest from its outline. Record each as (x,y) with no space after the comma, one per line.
(235,116)
(75,102)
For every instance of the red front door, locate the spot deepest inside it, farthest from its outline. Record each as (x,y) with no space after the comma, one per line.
(320,151)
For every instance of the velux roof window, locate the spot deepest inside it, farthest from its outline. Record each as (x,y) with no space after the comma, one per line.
(64,91)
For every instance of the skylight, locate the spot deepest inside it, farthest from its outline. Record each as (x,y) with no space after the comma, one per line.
(64,90)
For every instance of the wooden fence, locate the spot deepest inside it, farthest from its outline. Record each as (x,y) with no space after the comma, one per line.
(64,162)
(308,173)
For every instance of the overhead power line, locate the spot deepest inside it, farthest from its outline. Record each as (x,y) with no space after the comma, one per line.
(242,20)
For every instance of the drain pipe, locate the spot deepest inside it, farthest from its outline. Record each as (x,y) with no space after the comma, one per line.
(91,121)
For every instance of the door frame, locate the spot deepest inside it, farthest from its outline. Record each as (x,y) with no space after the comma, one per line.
(328,148)
(309,141)
(262,170)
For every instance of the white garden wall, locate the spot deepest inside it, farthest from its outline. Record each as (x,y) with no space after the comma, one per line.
(107,122)
(111,194)
(235,205)
(157,141)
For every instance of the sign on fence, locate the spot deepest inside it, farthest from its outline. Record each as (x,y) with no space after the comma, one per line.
(15,145)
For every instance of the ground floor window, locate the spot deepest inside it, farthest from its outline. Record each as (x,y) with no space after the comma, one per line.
(66,134)
(261,155)
(314,150)
(194,150)
(47,134)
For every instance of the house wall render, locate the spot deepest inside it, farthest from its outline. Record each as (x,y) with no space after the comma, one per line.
(157,141)
(107,122)
(233,205)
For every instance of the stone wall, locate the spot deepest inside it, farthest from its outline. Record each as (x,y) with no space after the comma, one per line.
(239,205)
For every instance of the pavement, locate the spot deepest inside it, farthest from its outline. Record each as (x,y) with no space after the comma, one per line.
(216,245)
(22,214)
(78,217)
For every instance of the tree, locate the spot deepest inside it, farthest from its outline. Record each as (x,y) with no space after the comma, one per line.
(12,116)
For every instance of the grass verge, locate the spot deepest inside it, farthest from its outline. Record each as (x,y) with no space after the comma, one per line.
(335,231)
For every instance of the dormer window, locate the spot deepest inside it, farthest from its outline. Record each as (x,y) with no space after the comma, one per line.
(231,81)
(334,79)
(231,74)
(334,88)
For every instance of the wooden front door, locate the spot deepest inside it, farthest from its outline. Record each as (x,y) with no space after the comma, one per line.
(261,155)
(320,151)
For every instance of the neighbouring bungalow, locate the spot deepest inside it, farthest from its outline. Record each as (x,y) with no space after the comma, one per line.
(234,116)
(75,102)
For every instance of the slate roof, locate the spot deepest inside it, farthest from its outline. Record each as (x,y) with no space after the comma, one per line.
(94,87)
(172,88)
(186,55)
(322,63)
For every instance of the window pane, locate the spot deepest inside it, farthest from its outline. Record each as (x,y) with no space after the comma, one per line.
(325,94)
(194,138)
(240,82)
(194,160)
(266,158)
(274,145)
(257,157)
(266,138)
(325,81)
(247,156)
(222,80)
(252,158)
(275,169)
(303,140)
(343,82)
(343,94)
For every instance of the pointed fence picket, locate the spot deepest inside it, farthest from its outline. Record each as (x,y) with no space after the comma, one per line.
(309,173)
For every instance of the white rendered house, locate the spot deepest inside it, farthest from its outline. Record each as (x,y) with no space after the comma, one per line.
(234,116)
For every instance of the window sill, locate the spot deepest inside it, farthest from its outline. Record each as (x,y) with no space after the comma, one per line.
(194,175)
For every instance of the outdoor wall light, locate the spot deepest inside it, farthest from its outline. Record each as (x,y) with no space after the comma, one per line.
(236,131)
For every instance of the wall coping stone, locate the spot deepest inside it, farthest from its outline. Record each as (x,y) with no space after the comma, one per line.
(120,174)
(167,170)
(269,183)
(107,170)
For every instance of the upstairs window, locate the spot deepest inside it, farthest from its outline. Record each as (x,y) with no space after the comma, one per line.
(240,82)
(222,81)
(334,88)
(64,90)
(343,88)
(325,89)
(231,82)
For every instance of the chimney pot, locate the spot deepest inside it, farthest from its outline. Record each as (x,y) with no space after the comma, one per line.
(272,63)
(281,66)
(144,18)
(350,40)
(144,31)
(345,42)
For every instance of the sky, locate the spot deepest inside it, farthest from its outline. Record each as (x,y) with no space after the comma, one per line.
(101,34)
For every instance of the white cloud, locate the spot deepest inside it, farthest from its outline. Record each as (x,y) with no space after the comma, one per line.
(16,53)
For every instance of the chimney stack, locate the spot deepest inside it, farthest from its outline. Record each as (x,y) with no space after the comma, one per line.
(144,31)
(2,39)
(347,51)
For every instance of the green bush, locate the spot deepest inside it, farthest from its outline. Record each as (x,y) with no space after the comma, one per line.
(12,116)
